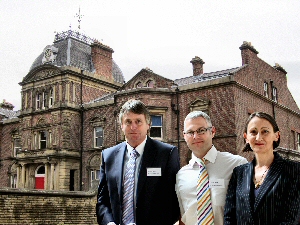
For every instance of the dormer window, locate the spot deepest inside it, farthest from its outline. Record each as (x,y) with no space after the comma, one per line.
(150,84)
(266,89)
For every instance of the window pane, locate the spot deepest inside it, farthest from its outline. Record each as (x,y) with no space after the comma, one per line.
(14,181)
(43,139)
(155,132)
(99,142)
(98,136)
(99,131)
(41,170)
(92,175)
(156,121)
(150,84)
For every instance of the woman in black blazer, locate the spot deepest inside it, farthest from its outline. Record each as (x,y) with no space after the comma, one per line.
(266,190)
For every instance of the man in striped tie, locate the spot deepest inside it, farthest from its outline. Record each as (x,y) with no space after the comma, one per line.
(201,185)
(137,176)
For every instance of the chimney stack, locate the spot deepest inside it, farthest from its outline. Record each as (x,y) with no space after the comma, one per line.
(280,68)
(102,59)
(248,52)
(197,65)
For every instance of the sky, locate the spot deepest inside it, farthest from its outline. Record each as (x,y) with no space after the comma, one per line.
(163,35)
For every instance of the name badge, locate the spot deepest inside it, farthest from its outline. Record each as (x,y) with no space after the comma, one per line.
(153,172)
(217,183)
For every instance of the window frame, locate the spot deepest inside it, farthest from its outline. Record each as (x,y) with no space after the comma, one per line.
(95,137)
(50,103)
(150,84)
(275,94)
(38,101)
(42,142)
(94,175)
(16,148)
(44,100)
(13,180)
(161,126)
(139,84)
(266,89)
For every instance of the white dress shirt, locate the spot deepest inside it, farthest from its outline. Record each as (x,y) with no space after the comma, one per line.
(219,167)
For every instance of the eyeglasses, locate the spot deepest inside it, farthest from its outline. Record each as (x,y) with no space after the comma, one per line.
(201,130)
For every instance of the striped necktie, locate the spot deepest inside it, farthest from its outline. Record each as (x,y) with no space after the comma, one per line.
(128,189)
(204,207)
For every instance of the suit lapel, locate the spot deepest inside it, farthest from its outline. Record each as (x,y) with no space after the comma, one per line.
(270,179)
(118,167)
(147,161)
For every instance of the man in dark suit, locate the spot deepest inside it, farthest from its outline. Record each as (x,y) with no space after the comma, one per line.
(153,200)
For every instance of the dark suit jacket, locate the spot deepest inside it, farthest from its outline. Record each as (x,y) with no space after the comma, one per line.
(156,200)
(278,200)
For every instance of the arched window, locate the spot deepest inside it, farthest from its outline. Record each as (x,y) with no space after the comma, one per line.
(139,85)
(40,178)
(150,84)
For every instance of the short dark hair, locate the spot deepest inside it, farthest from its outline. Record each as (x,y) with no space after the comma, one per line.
(136,107)
(265,116)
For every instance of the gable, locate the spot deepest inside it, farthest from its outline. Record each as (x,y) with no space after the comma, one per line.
(147,79)
(40,73)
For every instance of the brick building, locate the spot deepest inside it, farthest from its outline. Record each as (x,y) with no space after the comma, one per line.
(73,92)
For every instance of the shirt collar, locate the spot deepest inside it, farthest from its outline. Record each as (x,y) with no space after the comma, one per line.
(210,156)
(139,148)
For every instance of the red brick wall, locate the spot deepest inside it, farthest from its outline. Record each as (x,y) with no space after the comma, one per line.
(6,151)
(102,59)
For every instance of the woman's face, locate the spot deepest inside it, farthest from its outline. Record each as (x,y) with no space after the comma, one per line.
(260,135)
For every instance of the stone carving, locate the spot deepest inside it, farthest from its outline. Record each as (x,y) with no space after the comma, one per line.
(50,53)
(95,161)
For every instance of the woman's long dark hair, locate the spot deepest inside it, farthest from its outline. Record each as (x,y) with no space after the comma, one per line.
(265,116)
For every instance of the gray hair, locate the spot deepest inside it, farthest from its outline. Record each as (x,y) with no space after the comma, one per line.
(136,107)
(196,114)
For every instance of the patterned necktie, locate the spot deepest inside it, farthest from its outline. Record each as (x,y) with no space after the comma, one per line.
(204,208)
(128,189)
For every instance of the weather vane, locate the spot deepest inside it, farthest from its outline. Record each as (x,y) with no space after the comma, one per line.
(79,16)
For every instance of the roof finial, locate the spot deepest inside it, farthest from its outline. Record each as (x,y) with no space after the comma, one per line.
(79,16)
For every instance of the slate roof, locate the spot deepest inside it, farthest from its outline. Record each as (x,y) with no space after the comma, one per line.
(104,98)
(206,76)
(78,55)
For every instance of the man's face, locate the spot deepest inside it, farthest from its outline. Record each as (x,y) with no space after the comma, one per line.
(135,128)
(199,144)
